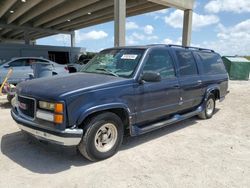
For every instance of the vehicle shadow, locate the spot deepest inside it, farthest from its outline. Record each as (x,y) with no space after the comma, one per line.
(46,158)
(4,104)
(39,157)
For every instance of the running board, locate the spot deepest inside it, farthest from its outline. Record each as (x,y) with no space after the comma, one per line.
(136,130)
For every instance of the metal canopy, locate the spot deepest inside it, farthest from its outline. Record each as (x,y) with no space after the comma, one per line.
(35,19)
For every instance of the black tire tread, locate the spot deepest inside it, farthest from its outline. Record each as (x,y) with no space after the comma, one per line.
(83,145)
(203,114)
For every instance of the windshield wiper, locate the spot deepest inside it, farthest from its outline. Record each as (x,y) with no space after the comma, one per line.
(107,71)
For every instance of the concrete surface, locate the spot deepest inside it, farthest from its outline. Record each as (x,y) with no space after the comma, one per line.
(193,153)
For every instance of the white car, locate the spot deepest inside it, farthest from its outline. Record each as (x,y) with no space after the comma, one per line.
(22,68)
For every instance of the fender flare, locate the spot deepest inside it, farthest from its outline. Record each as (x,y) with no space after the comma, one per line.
(210,89)
(102,107)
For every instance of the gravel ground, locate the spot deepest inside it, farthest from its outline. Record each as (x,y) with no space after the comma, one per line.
(193,153)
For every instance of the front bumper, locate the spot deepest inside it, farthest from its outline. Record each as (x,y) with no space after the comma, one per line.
(67,137)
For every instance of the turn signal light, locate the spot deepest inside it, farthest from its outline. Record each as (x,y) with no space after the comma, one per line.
(58,108)
(58,118)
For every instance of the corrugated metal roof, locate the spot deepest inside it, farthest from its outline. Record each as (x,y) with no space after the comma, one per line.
(237,59)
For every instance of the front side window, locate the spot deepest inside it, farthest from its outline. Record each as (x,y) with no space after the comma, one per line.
(161,62)
(116,62)
(187,63)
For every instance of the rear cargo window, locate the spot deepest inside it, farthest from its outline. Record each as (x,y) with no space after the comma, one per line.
(187,63)
(212,63)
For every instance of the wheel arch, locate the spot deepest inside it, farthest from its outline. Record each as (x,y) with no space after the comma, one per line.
(120,110)
(215,90)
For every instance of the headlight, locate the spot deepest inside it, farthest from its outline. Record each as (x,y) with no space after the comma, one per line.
(46,105)
(56,107)
(56,114)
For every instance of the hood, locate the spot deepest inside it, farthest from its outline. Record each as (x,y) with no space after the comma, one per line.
(60,86)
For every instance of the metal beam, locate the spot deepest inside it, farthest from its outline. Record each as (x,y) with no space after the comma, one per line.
(110,17)
(120,22)
(26,37)
(187,28)
(7,40)
(5,6)
(40,9)
(73,39)
(28,28)
(22,9)
(14,33)
(81,12)
(102,12)
(62,10)
(4,31)
(180,4)
(86,18)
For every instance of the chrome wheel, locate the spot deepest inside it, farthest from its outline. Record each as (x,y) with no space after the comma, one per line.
(210,107)
(106,137)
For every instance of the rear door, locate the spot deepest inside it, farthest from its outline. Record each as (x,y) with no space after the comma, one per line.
(158,99)
(189,78)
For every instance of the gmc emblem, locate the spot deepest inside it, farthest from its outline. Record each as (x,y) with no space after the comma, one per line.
(23,106)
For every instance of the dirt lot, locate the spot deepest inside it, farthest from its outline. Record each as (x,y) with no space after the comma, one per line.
(193,153)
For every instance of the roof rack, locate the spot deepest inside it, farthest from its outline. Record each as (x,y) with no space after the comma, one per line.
(190,47)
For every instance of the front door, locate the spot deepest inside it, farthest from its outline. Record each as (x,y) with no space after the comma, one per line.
(158,99)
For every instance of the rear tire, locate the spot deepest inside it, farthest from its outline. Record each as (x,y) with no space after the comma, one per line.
(208,112)
(102,137)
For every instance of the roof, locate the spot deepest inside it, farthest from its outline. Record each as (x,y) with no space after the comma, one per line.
(237,59)
(162,45)
(41,18)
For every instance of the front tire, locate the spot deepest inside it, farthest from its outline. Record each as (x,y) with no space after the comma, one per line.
(102,138)
(209,108)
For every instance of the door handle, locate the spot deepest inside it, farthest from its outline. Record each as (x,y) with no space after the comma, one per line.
(176,86)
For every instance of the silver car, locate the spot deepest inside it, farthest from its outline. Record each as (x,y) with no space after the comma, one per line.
(22,68)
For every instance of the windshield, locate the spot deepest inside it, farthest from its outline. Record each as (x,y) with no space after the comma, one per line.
(115,62)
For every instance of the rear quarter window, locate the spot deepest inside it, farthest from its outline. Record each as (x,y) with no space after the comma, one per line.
(211,63)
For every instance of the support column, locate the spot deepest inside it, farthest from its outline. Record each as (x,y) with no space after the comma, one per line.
(26,38)
(187,27)
(119,22)
(73,39)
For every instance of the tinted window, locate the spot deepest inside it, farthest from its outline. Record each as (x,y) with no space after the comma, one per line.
(29,62)
(187,63)
(161,62)
(18,63)
(212,63)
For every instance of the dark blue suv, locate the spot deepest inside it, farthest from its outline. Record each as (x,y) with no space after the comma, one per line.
(126,90)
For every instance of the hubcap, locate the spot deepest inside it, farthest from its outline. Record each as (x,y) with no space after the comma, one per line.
(106,137)
(210,107)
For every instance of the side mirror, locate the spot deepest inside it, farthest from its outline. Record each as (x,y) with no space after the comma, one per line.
(6,66)
(151,77)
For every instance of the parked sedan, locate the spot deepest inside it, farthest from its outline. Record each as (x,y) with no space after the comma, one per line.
(22,68)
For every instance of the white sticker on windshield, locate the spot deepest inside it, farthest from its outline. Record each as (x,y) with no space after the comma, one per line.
(129,56)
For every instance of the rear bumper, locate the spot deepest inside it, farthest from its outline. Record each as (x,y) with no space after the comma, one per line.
(67,137)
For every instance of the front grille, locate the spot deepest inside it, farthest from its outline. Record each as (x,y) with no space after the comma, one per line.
(26,106)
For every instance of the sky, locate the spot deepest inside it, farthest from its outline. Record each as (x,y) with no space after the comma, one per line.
(222,25)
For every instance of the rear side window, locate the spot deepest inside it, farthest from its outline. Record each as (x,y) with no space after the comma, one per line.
(18,63)
(212,63)
(187,63)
